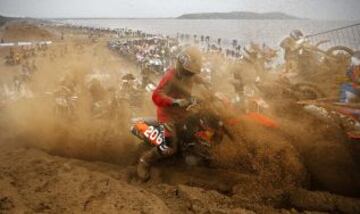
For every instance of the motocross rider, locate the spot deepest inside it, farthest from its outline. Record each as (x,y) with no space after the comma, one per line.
(291,46)
(171,98)
(350,91)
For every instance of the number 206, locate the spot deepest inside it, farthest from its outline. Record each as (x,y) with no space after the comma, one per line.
(154,135)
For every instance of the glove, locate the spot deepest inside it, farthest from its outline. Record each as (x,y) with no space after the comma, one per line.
(181,102)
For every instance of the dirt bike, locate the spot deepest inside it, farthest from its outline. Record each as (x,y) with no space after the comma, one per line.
(345,115)
(203,129)
(65,106)
(197,135)
(312,58)
(64,102)
(300,91)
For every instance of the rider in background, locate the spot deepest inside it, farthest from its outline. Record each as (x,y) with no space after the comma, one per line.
(351,91)
(171,98)
(291,45)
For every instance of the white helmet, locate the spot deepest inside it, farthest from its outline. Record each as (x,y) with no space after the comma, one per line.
(355,59)
(296,34)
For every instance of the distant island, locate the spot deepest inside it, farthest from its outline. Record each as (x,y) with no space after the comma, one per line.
(237,15)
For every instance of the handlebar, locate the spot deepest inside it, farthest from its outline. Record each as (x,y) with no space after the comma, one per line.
(193,103)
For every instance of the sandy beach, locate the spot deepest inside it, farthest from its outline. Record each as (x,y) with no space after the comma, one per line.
(49,166)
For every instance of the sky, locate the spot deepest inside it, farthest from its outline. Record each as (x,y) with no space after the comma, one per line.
(313,9)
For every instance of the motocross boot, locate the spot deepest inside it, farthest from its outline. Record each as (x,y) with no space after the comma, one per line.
(145,162)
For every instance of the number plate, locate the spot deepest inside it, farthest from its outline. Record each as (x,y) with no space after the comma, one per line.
(156,136)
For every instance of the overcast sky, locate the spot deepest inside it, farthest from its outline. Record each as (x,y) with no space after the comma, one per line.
(315,9)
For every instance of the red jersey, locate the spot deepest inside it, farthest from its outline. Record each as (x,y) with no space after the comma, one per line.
(172,86)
